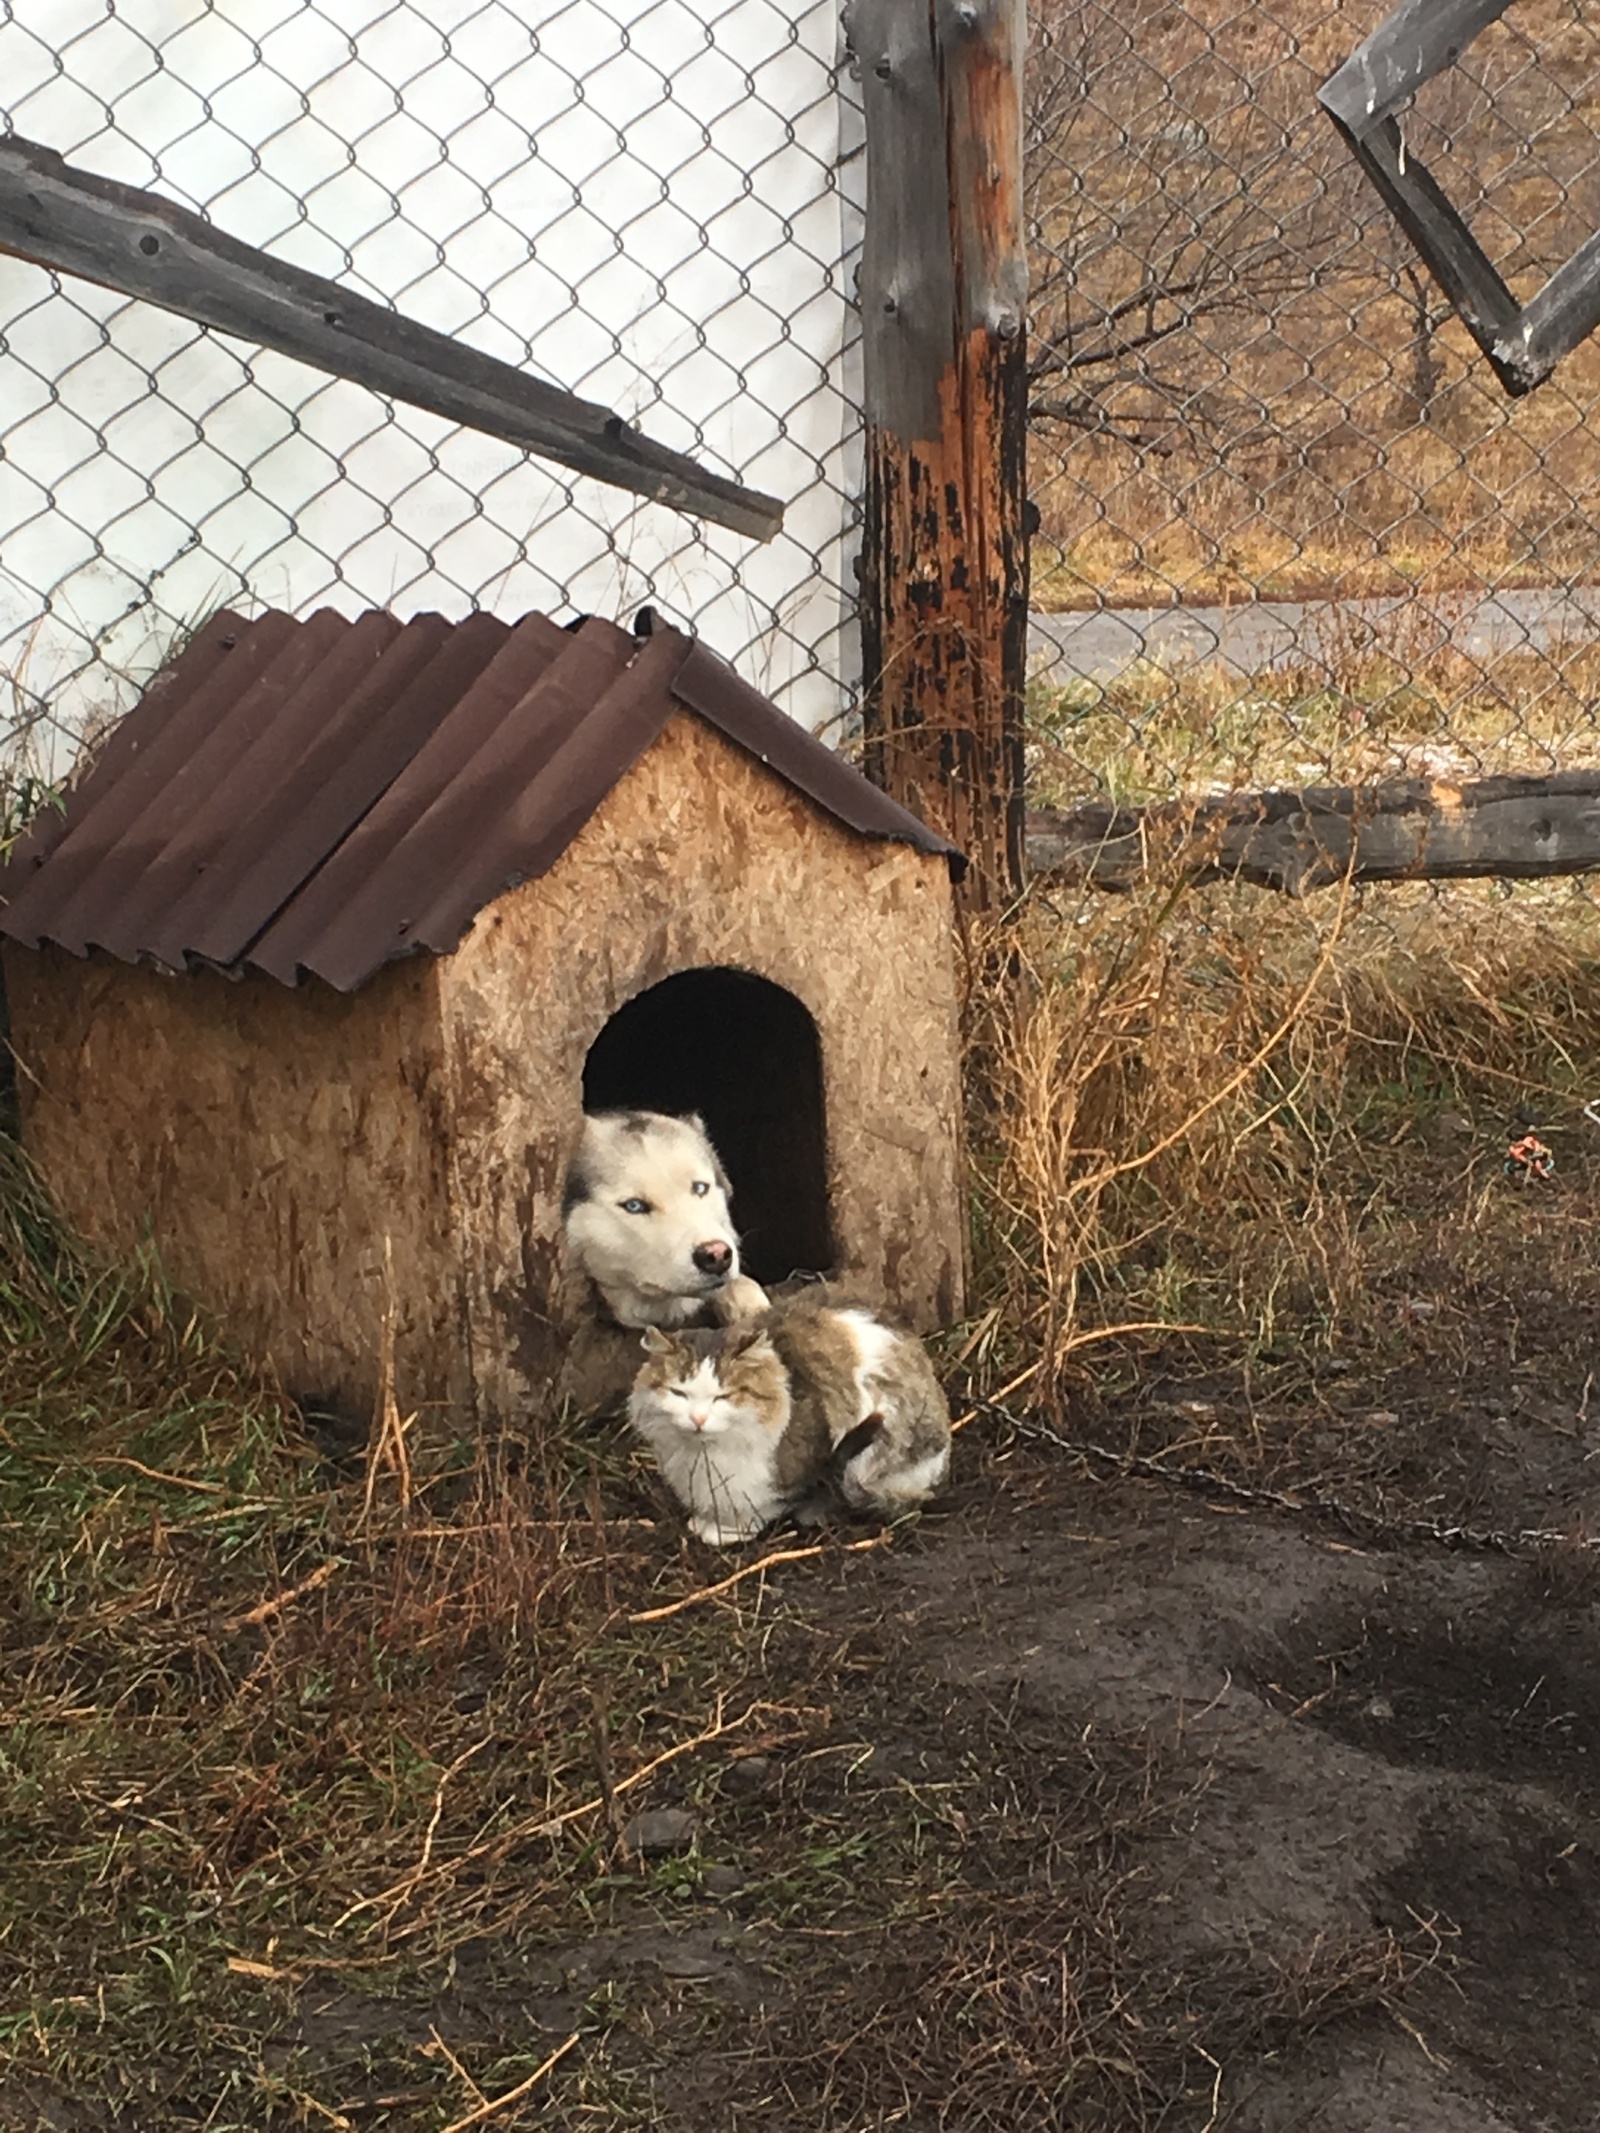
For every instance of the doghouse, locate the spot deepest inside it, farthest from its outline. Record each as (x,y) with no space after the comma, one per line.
(346,923)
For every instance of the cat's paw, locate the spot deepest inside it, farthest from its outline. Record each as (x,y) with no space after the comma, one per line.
(717,1533)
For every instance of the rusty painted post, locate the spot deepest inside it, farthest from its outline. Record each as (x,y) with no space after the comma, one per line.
(944,287)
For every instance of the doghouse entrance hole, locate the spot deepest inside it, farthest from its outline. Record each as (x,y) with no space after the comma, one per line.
(745,1054)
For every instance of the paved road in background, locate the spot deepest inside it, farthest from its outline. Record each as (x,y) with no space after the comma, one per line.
(1263,633)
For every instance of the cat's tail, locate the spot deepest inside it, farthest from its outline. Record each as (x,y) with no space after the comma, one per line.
(881,1475)
(855,1441)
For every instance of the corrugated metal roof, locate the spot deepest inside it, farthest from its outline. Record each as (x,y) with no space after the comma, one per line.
(328,795)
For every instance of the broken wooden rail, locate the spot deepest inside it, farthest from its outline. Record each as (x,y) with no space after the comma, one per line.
(144,246)
(1404,829)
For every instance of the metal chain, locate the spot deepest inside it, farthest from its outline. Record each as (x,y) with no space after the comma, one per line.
(1305,1502)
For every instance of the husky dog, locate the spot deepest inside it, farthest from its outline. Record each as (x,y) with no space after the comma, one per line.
(756,1421)
(647,1222)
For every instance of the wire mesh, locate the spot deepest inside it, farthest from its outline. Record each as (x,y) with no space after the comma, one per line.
(639,200)
(1290,529)
(1292,532)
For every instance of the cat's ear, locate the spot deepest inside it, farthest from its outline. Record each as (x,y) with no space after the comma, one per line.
(655,1342)
(740,1340)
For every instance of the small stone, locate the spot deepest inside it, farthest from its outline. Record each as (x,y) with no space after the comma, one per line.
(751,1774)
(1379,1707)
(660,1831)
(724,1880)
(1380,1418)
(1419,1307)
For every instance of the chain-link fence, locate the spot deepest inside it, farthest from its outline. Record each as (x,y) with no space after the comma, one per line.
(1292,531)
(641,201)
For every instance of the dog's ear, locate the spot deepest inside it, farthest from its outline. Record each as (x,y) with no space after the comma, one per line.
(654,1342)
(693,1118)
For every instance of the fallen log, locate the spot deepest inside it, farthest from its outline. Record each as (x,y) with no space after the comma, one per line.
(1405,829)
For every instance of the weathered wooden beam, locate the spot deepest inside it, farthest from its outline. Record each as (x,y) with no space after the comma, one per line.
(143,246)
(1406,829)
(1419,40)
(944,289)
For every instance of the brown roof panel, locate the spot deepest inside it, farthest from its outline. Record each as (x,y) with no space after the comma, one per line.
(165,727)
(333,760)
(206,809)
(330,787)
(358,910)
(190,773)
(206,650)
(537,821)
(328,795)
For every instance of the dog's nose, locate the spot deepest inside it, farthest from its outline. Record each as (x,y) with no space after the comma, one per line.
(713,1258)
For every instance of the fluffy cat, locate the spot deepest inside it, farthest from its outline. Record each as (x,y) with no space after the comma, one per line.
(754,1421)
(716,1409)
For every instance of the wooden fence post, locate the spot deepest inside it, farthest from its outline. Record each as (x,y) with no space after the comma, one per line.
(944,286)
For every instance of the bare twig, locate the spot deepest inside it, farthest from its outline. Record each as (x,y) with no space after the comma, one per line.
(454,2064)
(496,2105)
(543,1825)
(750,1570)
(280,1600)
(151,1473)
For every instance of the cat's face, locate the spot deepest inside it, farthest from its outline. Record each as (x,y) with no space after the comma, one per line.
(705,1383)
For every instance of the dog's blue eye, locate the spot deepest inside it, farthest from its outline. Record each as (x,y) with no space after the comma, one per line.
(635,1207)
(699,1188)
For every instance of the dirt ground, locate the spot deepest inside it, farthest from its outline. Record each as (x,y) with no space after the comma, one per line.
(1246,1817)
(1160,1784)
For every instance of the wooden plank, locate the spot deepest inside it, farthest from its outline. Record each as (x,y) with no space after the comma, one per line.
(944,286)
(1420,39)
(146,247)
(1446,247)
(1563,313)
(1407,829)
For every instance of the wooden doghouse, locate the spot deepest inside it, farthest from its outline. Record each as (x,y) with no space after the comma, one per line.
(348,921)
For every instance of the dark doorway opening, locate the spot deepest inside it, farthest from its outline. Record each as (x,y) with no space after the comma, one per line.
(745,1054)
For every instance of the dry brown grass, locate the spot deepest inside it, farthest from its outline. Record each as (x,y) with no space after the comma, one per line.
(315,1783)
(1224,1113)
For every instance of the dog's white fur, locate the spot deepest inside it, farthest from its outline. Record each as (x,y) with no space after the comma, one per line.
(645,1194)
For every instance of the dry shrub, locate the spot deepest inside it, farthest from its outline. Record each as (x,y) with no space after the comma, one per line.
(1187,1103)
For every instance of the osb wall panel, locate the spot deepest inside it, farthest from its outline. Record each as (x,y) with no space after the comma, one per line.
(702,858)
(267,1141)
